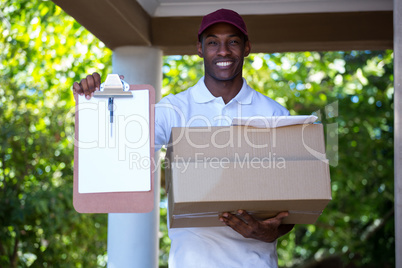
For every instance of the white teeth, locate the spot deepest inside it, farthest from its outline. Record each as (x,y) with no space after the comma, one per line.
(223,64)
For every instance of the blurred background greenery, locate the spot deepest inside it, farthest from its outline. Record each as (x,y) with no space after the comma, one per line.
(43,51)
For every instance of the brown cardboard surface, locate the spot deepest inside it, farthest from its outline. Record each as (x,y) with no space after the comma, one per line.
(293,142)
(267,171)
(122,202)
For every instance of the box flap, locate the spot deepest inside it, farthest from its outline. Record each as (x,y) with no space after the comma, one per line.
(290,142)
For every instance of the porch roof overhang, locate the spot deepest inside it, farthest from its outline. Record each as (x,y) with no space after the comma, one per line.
(274,26)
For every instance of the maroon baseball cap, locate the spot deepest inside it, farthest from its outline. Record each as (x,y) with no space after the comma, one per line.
(223,15)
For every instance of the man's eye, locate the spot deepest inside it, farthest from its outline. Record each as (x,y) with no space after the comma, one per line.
(212,43)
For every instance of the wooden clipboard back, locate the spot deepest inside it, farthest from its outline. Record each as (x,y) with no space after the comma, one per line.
(117,202)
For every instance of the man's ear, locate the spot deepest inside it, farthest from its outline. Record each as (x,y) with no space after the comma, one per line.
(247,48)
(199,49)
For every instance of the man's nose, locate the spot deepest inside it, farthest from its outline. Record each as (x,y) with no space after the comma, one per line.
(224,49)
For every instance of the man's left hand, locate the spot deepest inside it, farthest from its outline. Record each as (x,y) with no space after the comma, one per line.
(249,227)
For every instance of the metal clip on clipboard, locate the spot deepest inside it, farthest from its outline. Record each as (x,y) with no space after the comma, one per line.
(113,87)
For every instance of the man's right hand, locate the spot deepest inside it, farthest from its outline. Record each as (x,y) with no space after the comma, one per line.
(88,85)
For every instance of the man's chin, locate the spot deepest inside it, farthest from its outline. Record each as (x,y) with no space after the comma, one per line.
(224,78)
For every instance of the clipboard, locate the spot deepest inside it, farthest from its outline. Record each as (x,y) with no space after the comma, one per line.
(87,199)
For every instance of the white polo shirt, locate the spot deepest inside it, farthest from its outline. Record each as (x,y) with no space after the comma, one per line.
(213,246)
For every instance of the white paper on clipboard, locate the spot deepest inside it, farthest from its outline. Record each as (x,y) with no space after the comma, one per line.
(117,162)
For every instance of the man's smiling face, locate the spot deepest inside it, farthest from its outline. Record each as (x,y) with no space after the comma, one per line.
(223,48)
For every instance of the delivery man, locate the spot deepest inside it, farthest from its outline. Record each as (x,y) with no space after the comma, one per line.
(219,96)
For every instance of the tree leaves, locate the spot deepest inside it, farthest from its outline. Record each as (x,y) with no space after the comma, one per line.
(43,52)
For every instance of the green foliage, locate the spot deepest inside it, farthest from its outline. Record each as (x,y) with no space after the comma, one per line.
(164,240)
(352,93)
(43,52)
(180,73)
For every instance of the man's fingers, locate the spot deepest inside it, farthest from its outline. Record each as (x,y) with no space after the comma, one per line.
(91,84)
(232,220)
(249,227)
(277,220)
(97,80)
(84,86)
(235,223)
(282,215)
(88,85)
(77,88)
(246,217)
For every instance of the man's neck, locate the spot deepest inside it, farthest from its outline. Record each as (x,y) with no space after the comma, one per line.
(225,89)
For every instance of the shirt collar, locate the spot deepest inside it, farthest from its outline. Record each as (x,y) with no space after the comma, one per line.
(201,94)
(245,95)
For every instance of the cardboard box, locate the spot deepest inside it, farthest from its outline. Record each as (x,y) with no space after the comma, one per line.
(211,170)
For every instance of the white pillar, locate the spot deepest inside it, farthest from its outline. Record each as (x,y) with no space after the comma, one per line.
(398,129)
(133,238)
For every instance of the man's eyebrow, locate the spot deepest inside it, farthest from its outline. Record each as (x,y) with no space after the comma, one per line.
(210,35)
